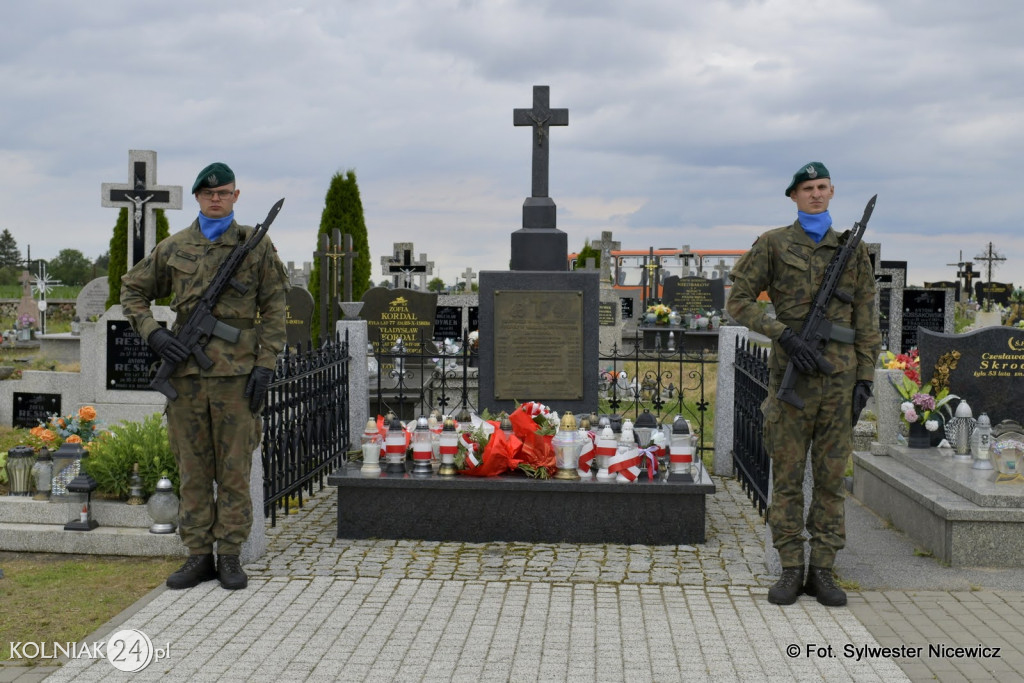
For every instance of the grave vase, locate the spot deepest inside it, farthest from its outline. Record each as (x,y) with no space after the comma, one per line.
(919,436)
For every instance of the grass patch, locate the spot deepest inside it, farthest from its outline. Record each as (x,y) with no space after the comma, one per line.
(921,552)
(64,598)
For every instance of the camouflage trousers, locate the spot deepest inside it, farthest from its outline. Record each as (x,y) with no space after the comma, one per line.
(212,434)
(824,426)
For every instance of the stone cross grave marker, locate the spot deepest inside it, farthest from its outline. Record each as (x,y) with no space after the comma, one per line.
(468,276)
(331,278)
(141,196)
(401,267)
(607,245)
(540,117)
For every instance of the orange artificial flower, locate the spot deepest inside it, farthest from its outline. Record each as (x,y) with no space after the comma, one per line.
(61,423)
(87,413)
(36,431)
(74,438)
(47,436)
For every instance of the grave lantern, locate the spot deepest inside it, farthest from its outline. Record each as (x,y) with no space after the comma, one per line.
(19,470)
(981,441)
(567,445)
(449,447)
(42,474)
(680,451)
(421,448)
(644,428)
(67,462)
(961,426)
(79,502)
(136,494)
(605,447)
(394,447)
(505,424)
(163,508)
(370,444)
(626,453)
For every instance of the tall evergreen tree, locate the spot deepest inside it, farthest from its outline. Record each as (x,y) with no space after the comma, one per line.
(343,210)
(119,253)
(10,255)
(587,252)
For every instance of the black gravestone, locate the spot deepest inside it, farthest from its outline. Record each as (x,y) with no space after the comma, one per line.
(447,323)
(997,292)
(948,284)
(606,313)
(299,315)
(884,306)
(393,314)
(129,359)
(693,294)
(30,409)
(990,372)
(922,308)
(474,318)
(626,302)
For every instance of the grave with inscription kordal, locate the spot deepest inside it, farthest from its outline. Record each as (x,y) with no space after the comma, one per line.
(538,361)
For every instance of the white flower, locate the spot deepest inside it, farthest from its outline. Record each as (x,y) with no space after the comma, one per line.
(931,425)
(905,406)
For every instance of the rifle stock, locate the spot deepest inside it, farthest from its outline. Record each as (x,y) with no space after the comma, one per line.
(817,328)
(201,324)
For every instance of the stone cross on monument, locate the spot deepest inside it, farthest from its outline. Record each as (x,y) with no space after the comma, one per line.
(141,196)
(469,276)
(540,245)
(607,246)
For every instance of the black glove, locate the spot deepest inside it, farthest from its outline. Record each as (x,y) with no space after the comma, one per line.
(861,394)
(256,387)
(167,346)
(800,353)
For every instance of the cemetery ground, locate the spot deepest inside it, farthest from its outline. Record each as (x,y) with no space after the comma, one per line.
(67,597)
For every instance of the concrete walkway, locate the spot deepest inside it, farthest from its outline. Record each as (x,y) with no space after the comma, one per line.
(322,609)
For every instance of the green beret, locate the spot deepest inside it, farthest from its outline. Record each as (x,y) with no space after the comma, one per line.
(810,171)
(214,175)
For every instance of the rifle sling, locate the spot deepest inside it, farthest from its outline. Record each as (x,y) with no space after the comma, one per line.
(843,335)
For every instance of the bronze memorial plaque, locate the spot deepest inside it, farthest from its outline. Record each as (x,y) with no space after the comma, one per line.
(538,345)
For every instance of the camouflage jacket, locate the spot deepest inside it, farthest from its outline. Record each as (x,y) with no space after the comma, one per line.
(183,265)
(787,264)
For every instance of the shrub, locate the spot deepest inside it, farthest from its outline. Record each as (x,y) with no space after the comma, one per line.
(113,454)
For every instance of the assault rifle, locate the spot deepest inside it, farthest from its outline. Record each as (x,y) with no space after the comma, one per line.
(818,329)
(201,324)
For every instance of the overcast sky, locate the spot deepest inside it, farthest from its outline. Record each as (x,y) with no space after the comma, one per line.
(686,119)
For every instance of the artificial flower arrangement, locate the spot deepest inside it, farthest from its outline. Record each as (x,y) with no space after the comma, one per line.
(922,402)
(26,321)
(81,428)
(661,312)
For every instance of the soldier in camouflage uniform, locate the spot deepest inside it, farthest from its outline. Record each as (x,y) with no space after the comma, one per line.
(213,425)
(789,263)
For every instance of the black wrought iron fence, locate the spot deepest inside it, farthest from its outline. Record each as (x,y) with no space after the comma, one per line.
(752,464)
(305,423)
(445,377)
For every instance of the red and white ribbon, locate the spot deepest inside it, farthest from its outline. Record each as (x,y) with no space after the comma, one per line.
(533,408)
(650,454)
(625,463)
(471,447)
(587,454)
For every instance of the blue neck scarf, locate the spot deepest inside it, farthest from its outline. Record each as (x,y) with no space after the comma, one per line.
(214,227)
(815,224)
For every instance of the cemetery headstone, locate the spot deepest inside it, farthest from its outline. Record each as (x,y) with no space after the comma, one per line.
(930,309)
(693,294)
(142,197)
(393,314)
(607,246)
(947,284)
(889,304)
(130,360)
(606,313)
(92,300)
(32,408)
(298,316)
(447,323)
(628,306)
(401,267)
(989,374)
(996,292)
(28,309)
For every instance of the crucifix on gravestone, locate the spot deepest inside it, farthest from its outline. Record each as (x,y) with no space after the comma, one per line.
(142,197)
(541,117)
(991,256)
(650,277)
(967,273)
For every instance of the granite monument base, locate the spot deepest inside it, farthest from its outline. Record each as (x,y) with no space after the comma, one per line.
(516,508)
(958,513)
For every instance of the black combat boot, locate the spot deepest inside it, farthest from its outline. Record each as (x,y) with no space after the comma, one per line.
(821,584)
(787,589)
(197,568)
(229,570)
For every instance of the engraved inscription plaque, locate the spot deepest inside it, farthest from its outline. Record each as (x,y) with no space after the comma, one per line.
(538,345)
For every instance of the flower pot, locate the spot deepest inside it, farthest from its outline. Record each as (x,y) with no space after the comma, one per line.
(919,436)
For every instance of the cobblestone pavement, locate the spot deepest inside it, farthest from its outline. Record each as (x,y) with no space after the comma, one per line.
(322,609)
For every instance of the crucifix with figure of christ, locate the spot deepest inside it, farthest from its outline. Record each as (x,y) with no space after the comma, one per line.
(142,197)
(541,117)
(967,273)
(403,263)
(991,256)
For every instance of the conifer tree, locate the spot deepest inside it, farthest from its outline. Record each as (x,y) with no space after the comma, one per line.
(119,253)
(343,210)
